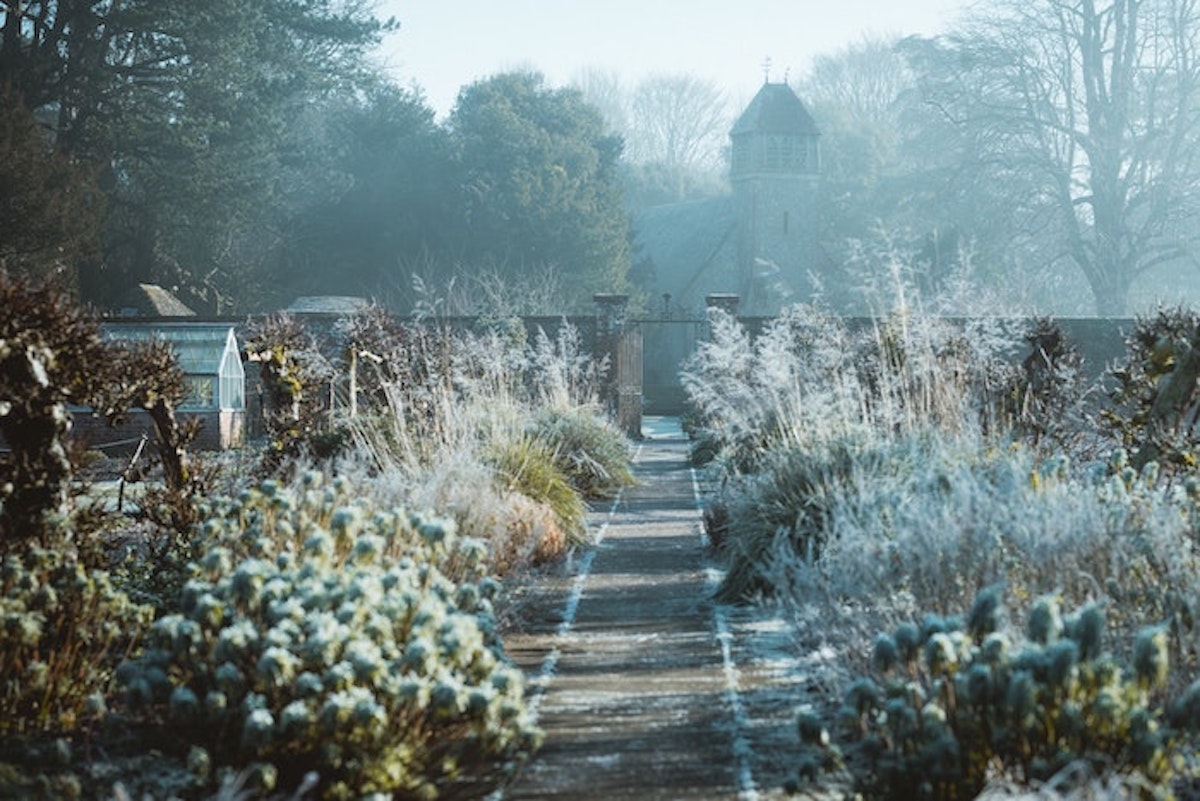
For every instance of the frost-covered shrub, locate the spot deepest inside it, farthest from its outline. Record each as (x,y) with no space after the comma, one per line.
(295,376)
(589,449)
(380,353)
(956,701)
(737,385)
(561,372)
(927,522)
(63,630)
(51,356)
(497,433)
(782,511)
(1044,400)
(808,377)
(336,644)
(1154,404)
(519,531)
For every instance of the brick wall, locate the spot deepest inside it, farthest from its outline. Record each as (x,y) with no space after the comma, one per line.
(218,431)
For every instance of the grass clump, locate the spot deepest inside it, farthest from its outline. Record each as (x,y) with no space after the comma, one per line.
(783,507)
(323,635)
(514,419)
(588,449)
(531,468)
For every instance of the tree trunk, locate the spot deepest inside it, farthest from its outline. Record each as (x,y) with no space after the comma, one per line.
(171,446)
(1110,281)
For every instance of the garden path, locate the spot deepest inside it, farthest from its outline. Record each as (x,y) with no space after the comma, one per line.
(644,686)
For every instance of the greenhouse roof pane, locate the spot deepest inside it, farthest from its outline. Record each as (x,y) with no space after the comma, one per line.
(198,346)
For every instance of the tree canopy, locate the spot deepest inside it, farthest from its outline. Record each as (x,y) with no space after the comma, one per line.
(50,207)
(250,153)
(1095,107)
(190,107)
(1057,135)
(539,185)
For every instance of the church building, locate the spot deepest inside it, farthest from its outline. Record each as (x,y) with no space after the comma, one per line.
(760,242)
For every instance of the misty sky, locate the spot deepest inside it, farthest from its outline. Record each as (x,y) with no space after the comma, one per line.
(444,44)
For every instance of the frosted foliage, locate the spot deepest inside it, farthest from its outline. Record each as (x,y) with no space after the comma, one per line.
(466,397)
(350,652)
(809,376)
(562,374)
(870,473)
(928,523)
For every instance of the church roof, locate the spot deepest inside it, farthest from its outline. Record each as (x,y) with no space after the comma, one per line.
(690,247)
(775,110)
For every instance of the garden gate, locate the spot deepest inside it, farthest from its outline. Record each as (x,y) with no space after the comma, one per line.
(667,343)
(629,376)
(619,340)
(645,357)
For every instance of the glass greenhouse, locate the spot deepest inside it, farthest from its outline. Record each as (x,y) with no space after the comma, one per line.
(211,361)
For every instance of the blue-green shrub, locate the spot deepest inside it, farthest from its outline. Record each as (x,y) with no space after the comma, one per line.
(954,701)
(321,636)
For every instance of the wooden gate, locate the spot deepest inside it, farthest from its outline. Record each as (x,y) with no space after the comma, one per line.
(628,368)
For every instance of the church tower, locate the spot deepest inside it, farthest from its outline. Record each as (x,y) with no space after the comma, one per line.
(775,173)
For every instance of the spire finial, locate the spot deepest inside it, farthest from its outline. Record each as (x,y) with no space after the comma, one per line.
(766,65)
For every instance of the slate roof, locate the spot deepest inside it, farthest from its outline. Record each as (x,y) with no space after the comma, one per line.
(691,248)
(775,110)
(151,300)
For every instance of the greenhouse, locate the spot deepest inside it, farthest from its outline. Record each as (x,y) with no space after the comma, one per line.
(211,361)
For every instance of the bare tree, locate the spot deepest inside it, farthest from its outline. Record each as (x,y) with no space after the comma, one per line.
(1097,104)
(864,81)
(678,120)
(859,94)
(605,90)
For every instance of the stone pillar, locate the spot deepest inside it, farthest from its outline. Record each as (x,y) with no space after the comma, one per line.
(725,301)
(610,312)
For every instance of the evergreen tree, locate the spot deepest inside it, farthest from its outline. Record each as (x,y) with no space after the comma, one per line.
(193,106)
(540,185)
(50,208)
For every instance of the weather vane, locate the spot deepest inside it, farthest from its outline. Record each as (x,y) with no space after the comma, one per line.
(766,65)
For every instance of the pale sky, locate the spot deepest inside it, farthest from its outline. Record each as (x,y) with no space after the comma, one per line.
(444,44)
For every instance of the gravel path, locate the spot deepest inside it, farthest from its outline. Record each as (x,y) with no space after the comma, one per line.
(645,688)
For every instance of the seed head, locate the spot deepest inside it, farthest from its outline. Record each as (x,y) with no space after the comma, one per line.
(1150,659)
(941,657)
(1045,620)
(986,613)
(886,655)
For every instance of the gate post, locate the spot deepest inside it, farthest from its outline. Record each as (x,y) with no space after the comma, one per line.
(620,341)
